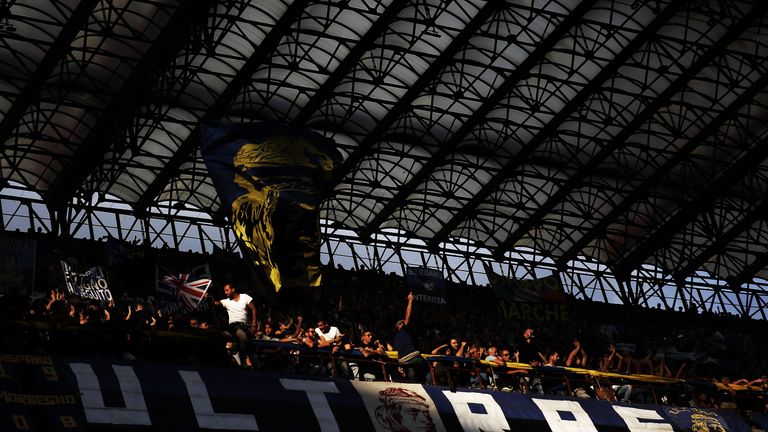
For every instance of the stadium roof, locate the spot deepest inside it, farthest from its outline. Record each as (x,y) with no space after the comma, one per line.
(627,131)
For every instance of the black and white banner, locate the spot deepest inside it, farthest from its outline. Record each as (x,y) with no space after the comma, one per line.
(40,393)
(91,284)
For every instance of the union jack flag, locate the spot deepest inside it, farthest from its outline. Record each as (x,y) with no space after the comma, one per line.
(188,292)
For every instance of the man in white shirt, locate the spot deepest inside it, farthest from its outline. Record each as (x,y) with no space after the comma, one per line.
(238,307)
(329,335)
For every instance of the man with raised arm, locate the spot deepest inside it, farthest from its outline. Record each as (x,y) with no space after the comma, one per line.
(409,358)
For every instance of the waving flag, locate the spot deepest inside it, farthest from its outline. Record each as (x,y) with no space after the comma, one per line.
(546,290)
(427,285)
(176,292)
(540,299)
(271,179)
(91,284)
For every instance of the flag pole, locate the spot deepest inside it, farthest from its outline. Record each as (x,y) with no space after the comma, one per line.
(203,296)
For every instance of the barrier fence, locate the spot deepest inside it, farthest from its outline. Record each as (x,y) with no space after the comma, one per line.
(70,392)
(52,393)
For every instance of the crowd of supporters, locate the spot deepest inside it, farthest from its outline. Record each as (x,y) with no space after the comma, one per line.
(348,329)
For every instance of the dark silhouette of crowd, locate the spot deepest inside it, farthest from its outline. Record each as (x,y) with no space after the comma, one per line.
(366,325)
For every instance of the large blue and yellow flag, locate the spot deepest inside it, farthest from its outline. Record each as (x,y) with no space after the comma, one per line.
(273,176)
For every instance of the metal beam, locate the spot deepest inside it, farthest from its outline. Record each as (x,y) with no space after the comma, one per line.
(120,111)
(520,73)
(60,47)
(749,161)
(619,140)
(351,59)
(433,71)
(225,99)
(546,132)
(719,244)
(749,272)
(707,131)
(722,241)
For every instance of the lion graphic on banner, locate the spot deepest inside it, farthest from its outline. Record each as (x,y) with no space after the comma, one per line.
(705,423)
(701,420)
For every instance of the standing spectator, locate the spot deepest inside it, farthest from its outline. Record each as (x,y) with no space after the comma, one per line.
(239,307)
(139,317)
(577,357)
(139,321)
(611,360)
(409,358)
(529,350)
